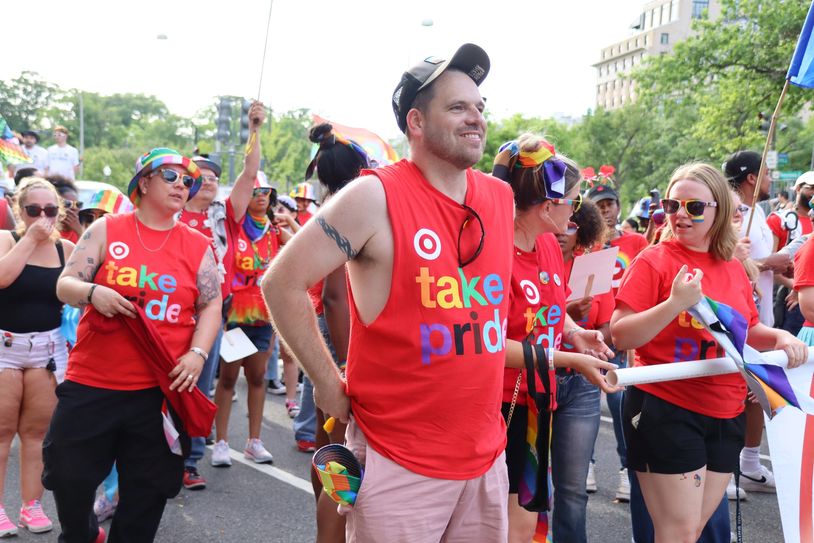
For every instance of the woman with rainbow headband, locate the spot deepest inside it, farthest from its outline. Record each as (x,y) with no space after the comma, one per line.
(257,244)
(140,265)
(546,194)
(684,437)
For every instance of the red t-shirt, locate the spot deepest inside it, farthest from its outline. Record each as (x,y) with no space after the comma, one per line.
(69,235)
(804,269)
(630,244)
(200,222)
(303,217)
(647,283)
(775,223)
(536,306)
(425,377)
(252,259)
(600,313)
(163,283)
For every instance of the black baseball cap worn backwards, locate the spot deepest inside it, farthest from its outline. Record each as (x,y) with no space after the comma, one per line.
(469,58)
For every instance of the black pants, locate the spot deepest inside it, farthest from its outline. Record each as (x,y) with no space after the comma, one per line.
(91,429)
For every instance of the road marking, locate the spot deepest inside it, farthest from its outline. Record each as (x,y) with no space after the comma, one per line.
(610,421)
(271,471)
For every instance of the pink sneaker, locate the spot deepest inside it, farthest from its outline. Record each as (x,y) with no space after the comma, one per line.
(6,526)
(33,518)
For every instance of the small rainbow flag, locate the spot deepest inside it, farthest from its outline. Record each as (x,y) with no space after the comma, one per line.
(769,383)
(375,147)
(10,152)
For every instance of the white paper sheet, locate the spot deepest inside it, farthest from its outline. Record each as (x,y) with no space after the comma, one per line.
(596,268)
(236,345)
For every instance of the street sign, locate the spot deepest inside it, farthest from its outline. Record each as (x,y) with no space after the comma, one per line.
(782,159)
(771,160)
(790,176)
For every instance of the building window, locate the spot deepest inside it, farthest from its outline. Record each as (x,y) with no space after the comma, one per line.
(649,23)
(674,10)
(665,38)
(665,13)
(698,8)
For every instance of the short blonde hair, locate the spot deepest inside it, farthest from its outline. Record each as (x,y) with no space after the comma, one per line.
(32,183)
(722,238)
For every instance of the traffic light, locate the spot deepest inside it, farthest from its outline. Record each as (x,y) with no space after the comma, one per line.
(245,122)
(224,120)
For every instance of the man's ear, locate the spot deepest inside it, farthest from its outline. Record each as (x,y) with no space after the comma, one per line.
(415,120)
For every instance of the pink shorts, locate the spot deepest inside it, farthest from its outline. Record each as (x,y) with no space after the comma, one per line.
(397,505)
(34,350)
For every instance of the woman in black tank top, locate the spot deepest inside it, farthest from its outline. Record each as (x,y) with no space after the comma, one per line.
(32,348)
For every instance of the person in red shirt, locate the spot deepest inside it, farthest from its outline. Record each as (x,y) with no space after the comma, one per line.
(630,244)
(220,222)
(546,193)
(804,285)
(305,196)
(787,224)
(429,300)
(110,406)
(684,437)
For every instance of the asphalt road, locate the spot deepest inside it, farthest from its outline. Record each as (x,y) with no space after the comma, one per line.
(275,503)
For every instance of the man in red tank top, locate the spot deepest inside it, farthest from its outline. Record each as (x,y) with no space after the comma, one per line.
(427,243)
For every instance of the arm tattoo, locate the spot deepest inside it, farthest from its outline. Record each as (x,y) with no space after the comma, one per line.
(208,280)
(341,241)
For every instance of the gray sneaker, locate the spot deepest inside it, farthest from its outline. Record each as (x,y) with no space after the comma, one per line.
(220,454)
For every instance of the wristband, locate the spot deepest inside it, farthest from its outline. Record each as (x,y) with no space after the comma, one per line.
(90,293)
(549,354)
(200,352)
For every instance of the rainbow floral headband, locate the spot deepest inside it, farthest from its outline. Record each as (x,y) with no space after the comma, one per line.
(510,157)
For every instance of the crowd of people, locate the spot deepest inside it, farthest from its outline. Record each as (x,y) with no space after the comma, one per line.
(480,421)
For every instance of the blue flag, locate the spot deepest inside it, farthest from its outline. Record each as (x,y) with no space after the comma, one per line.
(801,70)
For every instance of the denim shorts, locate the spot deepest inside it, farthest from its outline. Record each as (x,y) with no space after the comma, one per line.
(260,335)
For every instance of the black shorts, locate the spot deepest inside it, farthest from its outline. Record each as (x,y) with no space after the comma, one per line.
(516,444)
(670,439)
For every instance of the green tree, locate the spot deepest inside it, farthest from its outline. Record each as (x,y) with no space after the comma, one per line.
(286,148)
(26,100)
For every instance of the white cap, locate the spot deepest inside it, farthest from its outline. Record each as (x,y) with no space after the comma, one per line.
(805,179)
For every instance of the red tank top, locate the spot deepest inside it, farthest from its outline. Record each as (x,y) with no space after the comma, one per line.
(164,283)
(425,377)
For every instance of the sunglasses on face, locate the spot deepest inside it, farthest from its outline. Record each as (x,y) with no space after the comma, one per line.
(35,210)
(572,228)
(72,204)
(262,191)
(694,208)
(171,176)
(575,204)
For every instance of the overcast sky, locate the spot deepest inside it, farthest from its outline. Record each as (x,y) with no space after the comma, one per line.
(339,59)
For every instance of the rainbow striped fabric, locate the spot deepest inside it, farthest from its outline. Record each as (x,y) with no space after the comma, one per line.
(161,156)
(10,152)
(375,147)
(109,201)
(768,382)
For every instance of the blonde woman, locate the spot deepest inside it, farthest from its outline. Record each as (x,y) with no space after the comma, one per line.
(33,348)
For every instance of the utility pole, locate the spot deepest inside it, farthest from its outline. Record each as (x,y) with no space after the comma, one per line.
(81,135)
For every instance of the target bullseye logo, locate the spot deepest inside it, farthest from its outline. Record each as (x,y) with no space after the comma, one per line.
(242,245)
(427,244)
(530,291)
(118,250)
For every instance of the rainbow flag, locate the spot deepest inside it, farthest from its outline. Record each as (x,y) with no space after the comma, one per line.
(109,201)
(769,383)
(10,152)
(375,147)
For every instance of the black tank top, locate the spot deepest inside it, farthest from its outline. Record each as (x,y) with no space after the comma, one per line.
(30,303)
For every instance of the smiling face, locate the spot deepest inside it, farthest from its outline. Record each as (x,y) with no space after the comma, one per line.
(452,127)
(692,232)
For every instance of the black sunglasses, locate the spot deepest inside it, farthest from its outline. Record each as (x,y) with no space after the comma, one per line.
(261,191)
(472,215)
(34,210)
(68,204)
(171,176)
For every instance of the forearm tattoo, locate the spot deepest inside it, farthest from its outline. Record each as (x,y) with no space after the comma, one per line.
(87,269)
(208,280)
(341,241)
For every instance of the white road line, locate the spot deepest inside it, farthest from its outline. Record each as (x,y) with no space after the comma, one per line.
(271,471)
(610,421)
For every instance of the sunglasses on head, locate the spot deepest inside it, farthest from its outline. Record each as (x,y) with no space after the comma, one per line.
(35,210)
(171,176)
(72,204)
(694,208)
(261,191)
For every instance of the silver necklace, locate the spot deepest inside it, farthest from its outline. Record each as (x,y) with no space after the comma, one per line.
(138,234)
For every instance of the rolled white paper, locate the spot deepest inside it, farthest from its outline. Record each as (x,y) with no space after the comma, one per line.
(657,373)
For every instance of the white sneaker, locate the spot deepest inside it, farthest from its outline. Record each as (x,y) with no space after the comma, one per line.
(732,493)
(759,481)
(590,481)
(220,454)
(257,452)
(275,387)
(623,492)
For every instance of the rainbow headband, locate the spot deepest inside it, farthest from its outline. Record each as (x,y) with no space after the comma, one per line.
(511,157)
(328,140)
(162,156)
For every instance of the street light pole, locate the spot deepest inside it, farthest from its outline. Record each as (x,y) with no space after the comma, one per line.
(81,135)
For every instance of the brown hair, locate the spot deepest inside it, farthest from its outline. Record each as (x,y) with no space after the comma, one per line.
(33,183)
(722,238)
(528,184)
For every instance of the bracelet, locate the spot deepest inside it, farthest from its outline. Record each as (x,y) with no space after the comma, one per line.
(200,352)
(90,293)
(549,354)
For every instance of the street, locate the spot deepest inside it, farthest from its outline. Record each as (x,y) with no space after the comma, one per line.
(253,503)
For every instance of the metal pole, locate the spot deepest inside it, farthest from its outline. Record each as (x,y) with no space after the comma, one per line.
(81,135)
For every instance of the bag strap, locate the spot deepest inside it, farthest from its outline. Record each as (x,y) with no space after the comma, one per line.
(16,236)
(61,253)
